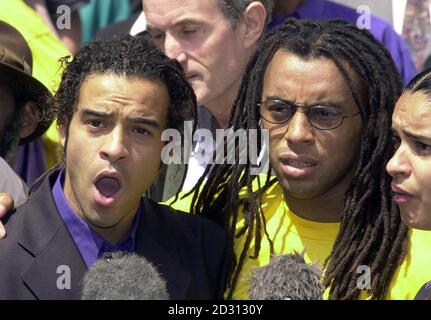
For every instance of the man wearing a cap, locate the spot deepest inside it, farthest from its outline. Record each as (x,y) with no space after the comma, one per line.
(25,115)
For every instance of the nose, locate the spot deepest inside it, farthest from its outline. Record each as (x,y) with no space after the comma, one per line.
(114,146)
(299,129)
(398,165)
(173,49)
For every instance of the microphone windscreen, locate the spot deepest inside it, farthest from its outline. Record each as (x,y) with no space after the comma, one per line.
(123,276)
(286,277)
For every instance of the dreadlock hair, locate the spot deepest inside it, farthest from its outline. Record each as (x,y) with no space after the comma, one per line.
(371,232)
(127,56)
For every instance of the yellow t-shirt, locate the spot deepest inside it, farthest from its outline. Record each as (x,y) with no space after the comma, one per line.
(290,232)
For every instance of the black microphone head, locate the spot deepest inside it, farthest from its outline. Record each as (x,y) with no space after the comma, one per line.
(123,276)
(286,277)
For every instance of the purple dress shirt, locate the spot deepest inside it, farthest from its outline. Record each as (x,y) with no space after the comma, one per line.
(89,243)
(383,31)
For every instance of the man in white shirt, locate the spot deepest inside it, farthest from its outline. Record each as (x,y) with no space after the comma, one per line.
(213,41)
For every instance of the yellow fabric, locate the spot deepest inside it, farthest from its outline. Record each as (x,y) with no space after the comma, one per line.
(51,145)
(291,233)
(181,204)
(46,49)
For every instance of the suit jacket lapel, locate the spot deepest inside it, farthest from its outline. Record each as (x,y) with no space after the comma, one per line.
(56,256)
(57,268)
(57,272)
(160,249)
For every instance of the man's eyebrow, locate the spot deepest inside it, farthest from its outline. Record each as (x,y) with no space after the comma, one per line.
(143,120)
(178,23)
(322,103)
(280,99)
(95,113)
(416,136)
(133,119)
(186,20)
(150,28)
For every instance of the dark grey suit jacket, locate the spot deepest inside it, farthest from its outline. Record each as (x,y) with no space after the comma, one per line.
(189,251)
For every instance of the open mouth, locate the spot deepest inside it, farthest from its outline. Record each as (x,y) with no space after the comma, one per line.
(298,164)
(401,198)
(108,187)
(297,167)
(399,195)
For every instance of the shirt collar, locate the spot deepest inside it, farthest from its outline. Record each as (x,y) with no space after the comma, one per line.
(89,243)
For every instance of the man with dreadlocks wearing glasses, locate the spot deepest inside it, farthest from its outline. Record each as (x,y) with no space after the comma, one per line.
(325,91)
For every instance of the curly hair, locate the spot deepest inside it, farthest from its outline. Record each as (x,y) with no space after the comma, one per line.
(371,232)
(126,56)
(130,57)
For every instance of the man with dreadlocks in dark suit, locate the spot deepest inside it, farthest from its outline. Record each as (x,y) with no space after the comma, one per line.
(325,91)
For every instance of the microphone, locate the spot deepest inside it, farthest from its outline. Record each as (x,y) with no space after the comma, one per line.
(123,276)
(286,277)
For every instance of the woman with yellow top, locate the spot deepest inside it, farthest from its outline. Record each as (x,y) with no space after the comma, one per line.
(410,166)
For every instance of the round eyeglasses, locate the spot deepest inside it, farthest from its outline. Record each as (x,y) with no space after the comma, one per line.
(322,117)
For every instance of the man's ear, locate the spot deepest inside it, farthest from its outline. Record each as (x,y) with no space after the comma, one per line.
(62,133)
(29,119)
(254,21)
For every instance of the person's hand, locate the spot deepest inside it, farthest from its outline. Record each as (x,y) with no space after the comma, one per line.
(6,204)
